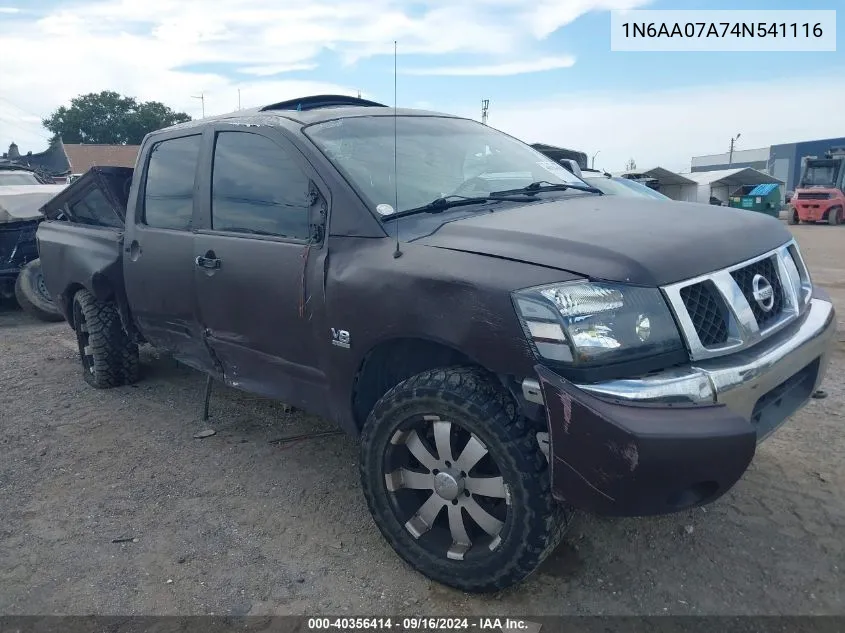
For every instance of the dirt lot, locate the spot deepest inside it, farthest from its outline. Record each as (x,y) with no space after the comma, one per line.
(233,524)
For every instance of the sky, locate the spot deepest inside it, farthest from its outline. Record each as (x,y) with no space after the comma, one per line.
(545,66)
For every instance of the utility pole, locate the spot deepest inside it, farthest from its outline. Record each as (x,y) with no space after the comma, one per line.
(485,104)
(593,162)
(239,98)
(359,94)
(731,155)
(201,97)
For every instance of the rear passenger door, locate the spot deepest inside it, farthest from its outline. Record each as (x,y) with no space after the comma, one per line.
(159,250)
(258,263)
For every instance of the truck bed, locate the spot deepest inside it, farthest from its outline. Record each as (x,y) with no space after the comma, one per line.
(81,241)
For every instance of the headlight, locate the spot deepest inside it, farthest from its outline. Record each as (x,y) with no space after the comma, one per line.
(798,275)
(587,323)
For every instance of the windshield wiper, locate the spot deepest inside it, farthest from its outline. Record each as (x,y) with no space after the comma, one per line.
(544,185)
(438,205)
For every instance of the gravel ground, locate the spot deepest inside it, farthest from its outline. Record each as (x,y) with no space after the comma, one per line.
(233,524)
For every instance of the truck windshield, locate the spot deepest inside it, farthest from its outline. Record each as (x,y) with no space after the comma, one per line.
(820,174)
(435,157)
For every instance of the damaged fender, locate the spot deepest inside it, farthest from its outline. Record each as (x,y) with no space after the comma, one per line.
(633,459)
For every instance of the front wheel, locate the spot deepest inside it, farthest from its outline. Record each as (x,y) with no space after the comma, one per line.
(834,216)
(793,217)
(31,293)
(457,483)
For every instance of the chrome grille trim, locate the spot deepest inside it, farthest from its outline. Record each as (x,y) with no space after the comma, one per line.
(743,330)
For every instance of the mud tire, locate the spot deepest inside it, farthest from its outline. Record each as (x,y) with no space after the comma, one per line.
(475,402)
(109,358)
(32,295)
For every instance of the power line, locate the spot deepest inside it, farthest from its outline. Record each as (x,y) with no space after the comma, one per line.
(20,109)
(17,125)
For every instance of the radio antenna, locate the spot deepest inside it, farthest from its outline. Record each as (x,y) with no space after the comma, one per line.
(397,253)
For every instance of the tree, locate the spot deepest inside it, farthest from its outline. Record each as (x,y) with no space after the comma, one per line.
(110,118)
(631,165)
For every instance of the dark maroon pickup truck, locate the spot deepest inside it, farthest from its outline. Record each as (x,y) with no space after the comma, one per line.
(507,342)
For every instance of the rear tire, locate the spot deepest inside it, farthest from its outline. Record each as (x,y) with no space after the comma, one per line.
(32,295)
(793,218)
(453,532)
(834,216)
(109,358)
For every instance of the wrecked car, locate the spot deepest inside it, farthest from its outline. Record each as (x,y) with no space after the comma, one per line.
(507,342)
(618,186)
(21,195)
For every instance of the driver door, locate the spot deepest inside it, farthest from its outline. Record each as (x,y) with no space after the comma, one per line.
(254,255)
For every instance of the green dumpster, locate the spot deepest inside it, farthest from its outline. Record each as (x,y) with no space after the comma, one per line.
(762,198)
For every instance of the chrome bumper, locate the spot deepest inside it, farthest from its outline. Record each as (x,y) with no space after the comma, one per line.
(737,380)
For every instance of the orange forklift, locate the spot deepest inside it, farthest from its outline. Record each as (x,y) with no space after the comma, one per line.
(820,194)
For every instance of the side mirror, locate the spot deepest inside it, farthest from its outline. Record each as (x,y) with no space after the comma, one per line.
(571,166)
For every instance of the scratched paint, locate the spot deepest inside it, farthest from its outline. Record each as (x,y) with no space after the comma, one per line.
(631,455)
(566,400)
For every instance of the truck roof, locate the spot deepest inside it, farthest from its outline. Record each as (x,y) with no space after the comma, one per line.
(308,110)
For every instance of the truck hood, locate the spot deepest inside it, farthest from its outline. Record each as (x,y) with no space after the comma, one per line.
(639,241)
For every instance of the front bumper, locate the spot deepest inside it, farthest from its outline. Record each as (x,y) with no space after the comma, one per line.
(683,437)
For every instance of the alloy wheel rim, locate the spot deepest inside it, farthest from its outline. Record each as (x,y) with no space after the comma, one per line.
(446,489)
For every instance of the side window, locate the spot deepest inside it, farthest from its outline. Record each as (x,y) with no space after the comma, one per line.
(94,209)
(169,193)
(258,188)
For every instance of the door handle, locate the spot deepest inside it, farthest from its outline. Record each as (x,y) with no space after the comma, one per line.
(209,263)
(134,250)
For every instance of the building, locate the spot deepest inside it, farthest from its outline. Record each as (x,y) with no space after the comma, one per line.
(781,161)
(667,182)
(704,187)
(752,158)
(711,186)
(66,161)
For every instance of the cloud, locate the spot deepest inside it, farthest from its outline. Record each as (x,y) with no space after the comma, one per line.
(9,10)
(550,15)
(668,127)
(498,70)
(266,71)
(144,49)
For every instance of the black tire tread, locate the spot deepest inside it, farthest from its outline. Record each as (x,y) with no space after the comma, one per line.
(479,394)
(116,359)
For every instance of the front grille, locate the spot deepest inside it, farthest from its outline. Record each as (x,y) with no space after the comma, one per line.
(707,311)
(718,314)
(744,277)
(813,196)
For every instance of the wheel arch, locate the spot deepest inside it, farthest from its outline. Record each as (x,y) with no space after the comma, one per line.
(66,302)
(391,361)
